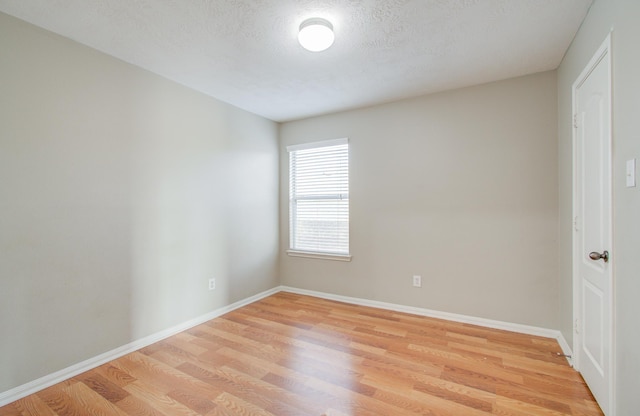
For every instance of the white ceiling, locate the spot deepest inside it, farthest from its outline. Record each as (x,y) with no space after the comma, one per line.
(245,52)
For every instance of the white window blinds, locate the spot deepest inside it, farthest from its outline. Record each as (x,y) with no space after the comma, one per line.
(319,197)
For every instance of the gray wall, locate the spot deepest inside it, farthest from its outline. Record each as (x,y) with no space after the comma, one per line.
(121,194)
(622,16)
(459,187)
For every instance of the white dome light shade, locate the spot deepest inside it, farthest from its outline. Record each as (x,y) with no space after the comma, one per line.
(316,34)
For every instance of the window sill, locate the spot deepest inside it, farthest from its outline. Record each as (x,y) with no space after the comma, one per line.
(321,256)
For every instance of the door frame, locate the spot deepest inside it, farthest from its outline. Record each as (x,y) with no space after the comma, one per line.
(603,53)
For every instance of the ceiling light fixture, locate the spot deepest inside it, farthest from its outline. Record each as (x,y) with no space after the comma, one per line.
(316,34)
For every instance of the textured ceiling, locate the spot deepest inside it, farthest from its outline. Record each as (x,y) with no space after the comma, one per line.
(245,52)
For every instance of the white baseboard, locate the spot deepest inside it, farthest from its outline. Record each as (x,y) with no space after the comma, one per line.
(41,383)
(488,323)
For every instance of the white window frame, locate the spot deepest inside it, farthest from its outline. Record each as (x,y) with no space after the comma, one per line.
(292,204)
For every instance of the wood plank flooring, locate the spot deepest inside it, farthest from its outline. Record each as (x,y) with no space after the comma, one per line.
(297,355)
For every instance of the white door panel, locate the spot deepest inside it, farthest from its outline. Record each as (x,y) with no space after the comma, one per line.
(593,277)
(593,330)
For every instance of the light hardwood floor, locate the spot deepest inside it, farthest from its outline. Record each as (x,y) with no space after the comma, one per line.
(297,355)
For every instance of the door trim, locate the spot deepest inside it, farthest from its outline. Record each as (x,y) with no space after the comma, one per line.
(603,53)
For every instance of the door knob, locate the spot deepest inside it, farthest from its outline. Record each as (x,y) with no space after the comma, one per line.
(594,255)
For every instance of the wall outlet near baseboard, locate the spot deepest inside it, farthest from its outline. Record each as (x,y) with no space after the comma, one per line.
(212,284)
(417,281)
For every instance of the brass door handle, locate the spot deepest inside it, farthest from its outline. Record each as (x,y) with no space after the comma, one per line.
(594,255)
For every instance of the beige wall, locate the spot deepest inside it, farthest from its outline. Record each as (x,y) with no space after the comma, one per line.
(459,187)
(121,194)
(621,16)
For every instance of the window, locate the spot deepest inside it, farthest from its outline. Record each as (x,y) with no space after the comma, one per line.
(319,200)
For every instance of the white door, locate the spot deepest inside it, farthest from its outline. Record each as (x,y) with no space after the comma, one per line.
(593,277)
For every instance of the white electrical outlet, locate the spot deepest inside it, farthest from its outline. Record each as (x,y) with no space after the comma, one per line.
(417,281)
(212,284)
